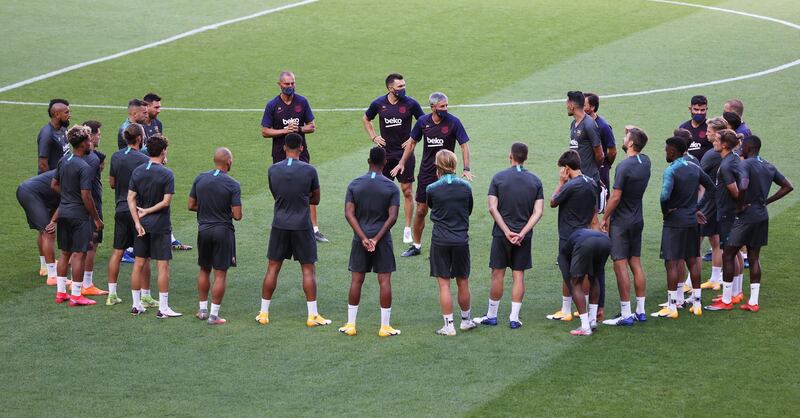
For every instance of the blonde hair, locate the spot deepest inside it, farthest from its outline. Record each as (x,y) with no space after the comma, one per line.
(717,124)
(446,162)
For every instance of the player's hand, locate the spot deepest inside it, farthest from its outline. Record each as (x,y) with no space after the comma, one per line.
(398,169)
(141,211)
(606,224)
(406,143)
(701,218)
(50,228)
(98,224)
(563,175)
(468,175)
(139,229)
(378,140)
(367,244)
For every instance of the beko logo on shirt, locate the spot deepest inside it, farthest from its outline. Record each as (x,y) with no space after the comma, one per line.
(290,121)
(434,142)
(573,144)
(694,146)
(392,122)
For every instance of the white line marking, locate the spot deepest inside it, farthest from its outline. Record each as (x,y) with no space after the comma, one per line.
(475,105)
(152,45)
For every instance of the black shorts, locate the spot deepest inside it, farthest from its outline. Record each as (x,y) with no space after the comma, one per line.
(155,246)
(379,261)
(590,261)
(423,181)
(725,226)
(216,248)
(711,227)
(124,230)
(449,261)
(626,241)
(35,210)
(408,171)
(285,244)
(504,254)
(74,235)
(752,235)
(680,243)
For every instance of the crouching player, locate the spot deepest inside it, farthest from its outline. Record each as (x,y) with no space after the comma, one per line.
(371,206)
(39,201)
(217,199)
(585,254)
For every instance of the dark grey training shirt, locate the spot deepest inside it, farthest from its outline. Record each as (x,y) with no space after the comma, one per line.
(517,190)
(583,137)
(216,193)
(373,195)
(74,175)
(122,164)
(577,201)
(450,202)
(291,182)
(151,181)
(631,178)
(761,174)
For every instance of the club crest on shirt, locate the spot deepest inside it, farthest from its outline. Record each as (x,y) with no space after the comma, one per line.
(577,132)
(402,109)
(701,134)
(445,129)
(298,108)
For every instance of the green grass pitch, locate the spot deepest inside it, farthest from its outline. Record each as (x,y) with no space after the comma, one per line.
(100,361)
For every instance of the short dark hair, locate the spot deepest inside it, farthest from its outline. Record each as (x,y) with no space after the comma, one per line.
(132,132)
(679,144)
(78,134)
(570,159)
(733,120)
(699,100)
(753,142)
(685,134)
(136,103)
(729,138)
(377,156)
(594,100)
(519,152)
(93,125)
(151,97)
(576,97)
(293,141)
(638,139)
(156,144)
(55,102)
(391,78)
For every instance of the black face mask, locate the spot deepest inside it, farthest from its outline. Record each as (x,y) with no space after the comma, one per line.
(400,93)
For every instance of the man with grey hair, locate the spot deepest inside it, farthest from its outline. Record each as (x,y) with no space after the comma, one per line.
(440,130)
(286,113)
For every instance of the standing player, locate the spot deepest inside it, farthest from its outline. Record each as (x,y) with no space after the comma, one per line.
(39,202)
(294,186)
(123,162)
(395,110)
(450,201)
(585,254)
(152,125)
(572,197)
(736,106)
(217,199)
(371,207)
(680,240)
(52,139)
(606,139)
(76,215)
(624,222)
(751,226)
(97,161)
(708,204)
(516,203)
(137,113)
(150,194)
(728,180)
(441,131)
(288,113)
(698,108)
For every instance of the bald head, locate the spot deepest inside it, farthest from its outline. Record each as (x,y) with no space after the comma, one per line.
(223,158)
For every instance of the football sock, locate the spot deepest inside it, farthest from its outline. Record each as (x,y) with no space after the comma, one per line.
(679,294)
(671,299)
(163,300)
(585,321)
(625,308)
(697,297)
(145,293)
(386,314)
(76,289)
(137,298)
(727,290)
(61,284)
(640,304)
(51,270)
(593,312)
(716,274)
(265,305)
(738,280)
(566,304)
(42,262)
(88,279)
(754,289)
(465,315)
(417,245)
(112,288)
(492,311)
(204,305)
(586,299)
(352,313)
(312,308)
(214,309)
(316,229)
(172,238)
(515,306)
(448,320)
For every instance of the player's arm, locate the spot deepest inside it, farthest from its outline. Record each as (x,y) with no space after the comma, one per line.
(315,196)
(308,128)
(611,206)
(192,204)
(88,203)
(268,132)
(666,190)
(786,188)
(374,137)
(390,221)
(134,212)
(55,186)
(163,204)
(538,212)
(611,144)
(408,151)
(236,212)
(498,219)
(44,152)
(733,189)
(112,181)
(467,173)
(611,155)
(559,193)
(51,227)
(43,165)
(597,145)
(236,203)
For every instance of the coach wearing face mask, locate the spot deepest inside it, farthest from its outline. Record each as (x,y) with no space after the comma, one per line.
(697,126)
